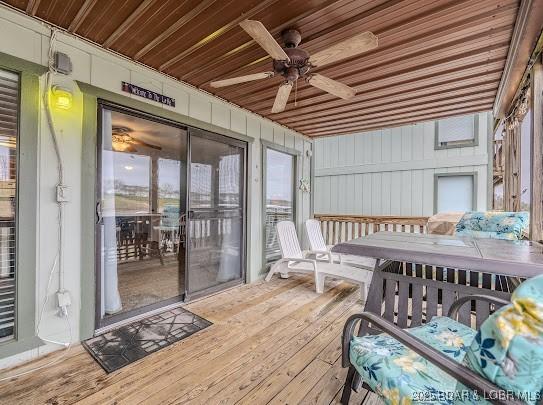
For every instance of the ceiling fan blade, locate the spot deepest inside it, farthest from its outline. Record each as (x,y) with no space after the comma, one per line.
(281,98)
(263,37)
(149,145)
(345,49)
(241,79)
(332,86)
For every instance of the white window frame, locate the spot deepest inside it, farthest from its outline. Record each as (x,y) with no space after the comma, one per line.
(458,144)
(296,155)
(456,174)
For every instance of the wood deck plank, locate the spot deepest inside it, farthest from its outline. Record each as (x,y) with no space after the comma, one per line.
(238,381)
(327,387)
(217,375)
(203,346)
(266,390)
(277,341)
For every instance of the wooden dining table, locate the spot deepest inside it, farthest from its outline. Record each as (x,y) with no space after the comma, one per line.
(520,259)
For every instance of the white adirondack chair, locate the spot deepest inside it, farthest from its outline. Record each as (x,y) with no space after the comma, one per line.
(316,241)
(294,260)
(317,244)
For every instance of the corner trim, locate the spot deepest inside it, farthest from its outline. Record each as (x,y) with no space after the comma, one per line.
(88,200)
(520,54)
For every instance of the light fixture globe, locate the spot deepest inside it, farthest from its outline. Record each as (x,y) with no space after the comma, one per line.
(62,98)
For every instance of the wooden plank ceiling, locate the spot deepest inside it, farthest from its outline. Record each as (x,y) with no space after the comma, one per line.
(435,58)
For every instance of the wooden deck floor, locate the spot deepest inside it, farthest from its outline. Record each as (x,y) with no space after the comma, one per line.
(276,342)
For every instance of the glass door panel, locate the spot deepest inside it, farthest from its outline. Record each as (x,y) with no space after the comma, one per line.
(141,215)
(279,198)
(216,201)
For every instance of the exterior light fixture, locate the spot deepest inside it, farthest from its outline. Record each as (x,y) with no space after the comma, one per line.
(62,98)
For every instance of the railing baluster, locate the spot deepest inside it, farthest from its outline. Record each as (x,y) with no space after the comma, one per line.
(341,228)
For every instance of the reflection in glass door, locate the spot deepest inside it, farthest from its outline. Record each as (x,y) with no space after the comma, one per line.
(140,215)
(216,210)
(279,197)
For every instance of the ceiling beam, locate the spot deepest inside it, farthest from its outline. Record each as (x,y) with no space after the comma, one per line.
(204,4)
(127,23)
(32,7)
(81,15)
(525,36)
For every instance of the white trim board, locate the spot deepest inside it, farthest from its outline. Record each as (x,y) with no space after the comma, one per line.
(476,160)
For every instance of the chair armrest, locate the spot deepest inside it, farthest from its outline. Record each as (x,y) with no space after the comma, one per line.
(329,247)
(319,252)
(297,259)
(456,305)
(458,371)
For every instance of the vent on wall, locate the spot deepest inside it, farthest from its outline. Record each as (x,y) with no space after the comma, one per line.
(9,105)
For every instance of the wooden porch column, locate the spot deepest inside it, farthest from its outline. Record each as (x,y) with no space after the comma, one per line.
(511,178)
(536,204)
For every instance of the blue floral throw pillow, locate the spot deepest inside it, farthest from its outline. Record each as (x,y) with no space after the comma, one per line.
(508,349)
(493,224)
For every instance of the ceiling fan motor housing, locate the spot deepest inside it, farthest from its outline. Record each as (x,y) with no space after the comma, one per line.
(298,65)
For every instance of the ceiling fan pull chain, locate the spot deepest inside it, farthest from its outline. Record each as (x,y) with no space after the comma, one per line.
(295,93)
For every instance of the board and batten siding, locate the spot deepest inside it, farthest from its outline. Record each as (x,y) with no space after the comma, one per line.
(391,171)
(29,40)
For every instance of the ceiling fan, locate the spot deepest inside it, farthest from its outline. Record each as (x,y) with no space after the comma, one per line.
(294,63)
(122,141)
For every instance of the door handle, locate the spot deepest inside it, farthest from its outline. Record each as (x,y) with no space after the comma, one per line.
(98,213)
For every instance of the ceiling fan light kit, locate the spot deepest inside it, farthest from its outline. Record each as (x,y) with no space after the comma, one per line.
(293,62)
(122,141)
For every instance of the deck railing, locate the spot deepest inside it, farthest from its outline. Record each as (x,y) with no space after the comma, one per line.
(341,228)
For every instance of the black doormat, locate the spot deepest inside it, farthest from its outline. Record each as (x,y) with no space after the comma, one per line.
(120,347)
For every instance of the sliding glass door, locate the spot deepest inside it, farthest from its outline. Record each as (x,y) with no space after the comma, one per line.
(216,213)
(141,214)
(170,214)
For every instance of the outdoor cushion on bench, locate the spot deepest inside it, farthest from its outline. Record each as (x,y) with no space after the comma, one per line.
(493,224)
(508,349)
(502,359)
(399,374)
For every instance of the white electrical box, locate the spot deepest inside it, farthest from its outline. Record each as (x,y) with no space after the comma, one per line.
(63,193)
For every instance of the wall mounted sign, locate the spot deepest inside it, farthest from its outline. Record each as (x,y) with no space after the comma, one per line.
(148,94)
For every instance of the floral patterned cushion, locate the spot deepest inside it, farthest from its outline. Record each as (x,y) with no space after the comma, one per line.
(401,376)
(493,224)
(508,349)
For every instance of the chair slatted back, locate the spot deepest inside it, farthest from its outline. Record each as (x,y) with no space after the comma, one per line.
(314,235)
(288,240)
(408,298)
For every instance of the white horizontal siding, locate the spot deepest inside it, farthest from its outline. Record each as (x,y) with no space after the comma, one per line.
(391,171)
